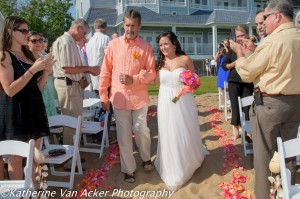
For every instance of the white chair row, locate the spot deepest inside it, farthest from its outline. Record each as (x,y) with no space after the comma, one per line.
(72,151)
(90,127)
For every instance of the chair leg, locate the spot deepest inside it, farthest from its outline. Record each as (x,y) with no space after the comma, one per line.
(220,98)
(78,163)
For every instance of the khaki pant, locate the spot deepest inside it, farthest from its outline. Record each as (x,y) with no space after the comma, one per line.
(128,121)
(71,103)
(278,117)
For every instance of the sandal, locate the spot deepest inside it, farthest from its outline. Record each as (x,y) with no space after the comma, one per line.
(148,166)
(129,178)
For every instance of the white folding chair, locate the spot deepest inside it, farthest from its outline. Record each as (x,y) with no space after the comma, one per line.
(227,110)
(245,124)
(90,127)
(93,128)
(221,105)
(288,149)
(72,151)
(89,108)
(26,150)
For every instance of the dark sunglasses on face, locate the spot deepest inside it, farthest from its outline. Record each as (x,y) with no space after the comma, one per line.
(34,41)
(267,15)
(23,31)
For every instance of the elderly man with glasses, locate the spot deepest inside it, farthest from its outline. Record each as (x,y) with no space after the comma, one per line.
(274,69)
(68,72)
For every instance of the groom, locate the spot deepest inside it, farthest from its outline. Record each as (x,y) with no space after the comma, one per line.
(125,57)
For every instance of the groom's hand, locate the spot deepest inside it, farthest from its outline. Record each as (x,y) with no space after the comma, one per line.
(105,106)
(125,79)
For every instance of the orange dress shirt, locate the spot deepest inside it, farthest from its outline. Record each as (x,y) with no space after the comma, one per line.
(128,57)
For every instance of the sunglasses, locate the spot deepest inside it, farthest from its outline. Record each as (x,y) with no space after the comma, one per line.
(23,31)
(267,15)
(34,41)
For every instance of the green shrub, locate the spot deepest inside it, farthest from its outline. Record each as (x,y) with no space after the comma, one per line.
(208,85)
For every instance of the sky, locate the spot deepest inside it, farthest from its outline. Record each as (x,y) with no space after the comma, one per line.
(73,11)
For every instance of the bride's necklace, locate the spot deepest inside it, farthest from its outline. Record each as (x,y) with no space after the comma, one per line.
(18,60)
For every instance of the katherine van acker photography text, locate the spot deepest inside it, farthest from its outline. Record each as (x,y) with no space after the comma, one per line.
(10,192)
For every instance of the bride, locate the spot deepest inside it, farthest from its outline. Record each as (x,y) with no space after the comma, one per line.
(180,150)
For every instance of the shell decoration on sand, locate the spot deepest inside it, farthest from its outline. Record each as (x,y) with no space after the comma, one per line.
(38,157)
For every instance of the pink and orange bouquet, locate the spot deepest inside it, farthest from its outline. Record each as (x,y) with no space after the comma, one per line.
(191,82)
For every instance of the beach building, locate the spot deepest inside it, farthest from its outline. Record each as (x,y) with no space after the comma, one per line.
(199,24)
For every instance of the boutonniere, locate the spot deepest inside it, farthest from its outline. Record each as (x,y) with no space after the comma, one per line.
(136,55)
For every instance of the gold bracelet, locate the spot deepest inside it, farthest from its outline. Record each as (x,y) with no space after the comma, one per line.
(30,72)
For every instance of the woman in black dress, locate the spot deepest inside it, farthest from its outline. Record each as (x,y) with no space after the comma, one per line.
(23,115)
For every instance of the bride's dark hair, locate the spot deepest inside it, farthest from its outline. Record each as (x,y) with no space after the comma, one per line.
(160,56)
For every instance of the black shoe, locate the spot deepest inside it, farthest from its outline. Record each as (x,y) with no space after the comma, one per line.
(129,178)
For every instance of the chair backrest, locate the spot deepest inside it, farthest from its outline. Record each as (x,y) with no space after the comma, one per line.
(61,121)
(91,102)
(89,94)
(13,147)
(287,149)
(243,102)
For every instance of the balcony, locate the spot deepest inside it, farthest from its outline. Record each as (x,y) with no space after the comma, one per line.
(134,2)
(231,8)
(173,3)
(199,6)
(192,48)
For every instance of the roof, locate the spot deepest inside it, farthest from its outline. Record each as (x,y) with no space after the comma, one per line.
(200,17)
(231,16)
(110,15)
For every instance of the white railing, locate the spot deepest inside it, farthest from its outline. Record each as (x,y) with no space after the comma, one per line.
(199,6)
(192,48)
(133,2)
(231,8)
(174,4)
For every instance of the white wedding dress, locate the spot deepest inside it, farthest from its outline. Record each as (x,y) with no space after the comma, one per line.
(180,149)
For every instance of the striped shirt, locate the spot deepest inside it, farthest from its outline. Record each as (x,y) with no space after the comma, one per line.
(66,53)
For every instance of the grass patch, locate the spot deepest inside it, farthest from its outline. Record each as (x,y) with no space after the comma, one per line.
(208,85)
